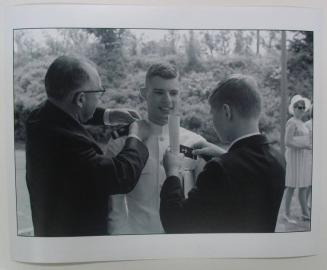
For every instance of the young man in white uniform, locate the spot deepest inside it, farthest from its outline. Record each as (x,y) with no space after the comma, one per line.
(138,211)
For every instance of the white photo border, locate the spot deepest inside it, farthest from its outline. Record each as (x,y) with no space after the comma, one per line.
(133,247)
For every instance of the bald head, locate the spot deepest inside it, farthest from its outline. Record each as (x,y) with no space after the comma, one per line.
(66,74)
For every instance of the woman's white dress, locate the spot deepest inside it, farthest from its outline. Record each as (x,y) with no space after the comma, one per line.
(297,163)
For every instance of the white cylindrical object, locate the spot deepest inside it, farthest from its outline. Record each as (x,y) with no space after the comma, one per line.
(173,125)
(188,181)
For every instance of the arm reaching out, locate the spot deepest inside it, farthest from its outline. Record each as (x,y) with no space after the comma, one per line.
(206,149)
(172,163)
(113,117)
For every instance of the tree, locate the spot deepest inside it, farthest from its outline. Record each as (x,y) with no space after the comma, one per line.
(248,40)
(131,43)
(192,53)
(300,63)
(271,41)
(258,42)
(150,47)
(111,38)
(223,38)
(239,46)
(243,42)
(173,38)
(68,41)
(26,48)
(209,41)
(109,55)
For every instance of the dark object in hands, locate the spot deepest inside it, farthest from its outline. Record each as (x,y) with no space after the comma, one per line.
(187,151)
(120,132)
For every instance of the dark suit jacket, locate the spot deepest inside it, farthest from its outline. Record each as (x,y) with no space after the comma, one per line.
(68,177)
(239,192)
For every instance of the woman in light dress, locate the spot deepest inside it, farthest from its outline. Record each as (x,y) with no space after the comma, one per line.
(298,142)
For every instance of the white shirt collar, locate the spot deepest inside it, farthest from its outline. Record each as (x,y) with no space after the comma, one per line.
(157,129)
(242,137)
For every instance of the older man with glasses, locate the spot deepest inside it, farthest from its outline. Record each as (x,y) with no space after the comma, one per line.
(68,177)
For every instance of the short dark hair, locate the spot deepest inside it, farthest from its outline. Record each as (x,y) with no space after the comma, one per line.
(240,92)
(66,74)
(163,70)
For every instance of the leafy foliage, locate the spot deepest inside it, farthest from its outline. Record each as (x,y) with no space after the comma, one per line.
(300,64)
(202,57)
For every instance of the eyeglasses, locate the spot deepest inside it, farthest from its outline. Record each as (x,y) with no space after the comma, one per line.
(102,91)
(300,107)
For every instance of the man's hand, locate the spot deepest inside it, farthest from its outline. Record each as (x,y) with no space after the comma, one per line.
(140,129)
(205,148)
(172,163)
(122,117)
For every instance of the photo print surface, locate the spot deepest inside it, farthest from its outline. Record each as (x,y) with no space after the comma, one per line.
(279,61)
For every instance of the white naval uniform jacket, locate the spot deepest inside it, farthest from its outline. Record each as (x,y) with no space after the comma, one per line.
(138,211)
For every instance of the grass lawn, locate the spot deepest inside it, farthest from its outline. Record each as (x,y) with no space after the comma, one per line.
(25,226)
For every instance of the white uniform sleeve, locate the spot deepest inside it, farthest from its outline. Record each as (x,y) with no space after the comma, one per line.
(118,212)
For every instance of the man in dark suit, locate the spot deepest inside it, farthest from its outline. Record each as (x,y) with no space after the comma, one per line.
(68,177)
(239,190)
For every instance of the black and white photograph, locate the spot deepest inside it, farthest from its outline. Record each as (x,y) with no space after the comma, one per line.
(143,131)
(130,137)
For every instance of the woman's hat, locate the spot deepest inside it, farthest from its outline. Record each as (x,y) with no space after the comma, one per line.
(295,99)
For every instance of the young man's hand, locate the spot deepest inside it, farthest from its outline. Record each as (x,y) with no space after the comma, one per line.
(207,149)
(172,163)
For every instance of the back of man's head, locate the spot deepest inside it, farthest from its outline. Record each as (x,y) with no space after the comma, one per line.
(65,75)
(241,93)
(162,70)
